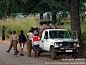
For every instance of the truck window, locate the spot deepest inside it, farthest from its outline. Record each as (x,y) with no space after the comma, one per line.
(59,34)
(46,33)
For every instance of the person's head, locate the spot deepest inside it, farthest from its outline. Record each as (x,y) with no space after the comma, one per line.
(10,32)
(22,31)
(53,22)
(14,32)
(41,23)
(3,26)
(62,23)
(32,28)
(36,28)
(48,22)
(30,31)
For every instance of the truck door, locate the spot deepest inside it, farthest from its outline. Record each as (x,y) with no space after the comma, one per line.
(44,41)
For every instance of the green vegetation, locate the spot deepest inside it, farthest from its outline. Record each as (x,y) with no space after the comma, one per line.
(18,25)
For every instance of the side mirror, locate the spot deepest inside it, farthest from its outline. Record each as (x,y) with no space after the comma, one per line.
(45,37)
(74,37)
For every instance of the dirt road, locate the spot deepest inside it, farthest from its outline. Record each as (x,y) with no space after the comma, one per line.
(44,59)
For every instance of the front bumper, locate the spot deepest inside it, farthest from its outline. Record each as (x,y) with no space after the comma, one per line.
(66,50)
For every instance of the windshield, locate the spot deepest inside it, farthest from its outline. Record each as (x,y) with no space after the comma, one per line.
(59,34)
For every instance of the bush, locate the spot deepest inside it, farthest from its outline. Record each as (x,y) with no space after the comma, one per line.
(1,15)
(13,15)
(69,32)
(84,36)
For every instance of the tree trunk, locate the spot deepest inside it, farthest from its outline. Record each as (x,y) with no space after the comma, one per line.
(41,16)
(5,10)
(54,17)
(73,7)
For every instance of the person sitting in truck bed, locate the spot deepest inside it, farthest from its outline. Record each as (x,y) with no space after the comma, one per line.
(54,26)
(61,27)
(36,31)
(47,24)
(41,28)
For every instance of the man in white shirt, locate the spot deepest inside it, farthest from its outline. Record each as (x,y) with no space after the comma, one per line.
(29,42)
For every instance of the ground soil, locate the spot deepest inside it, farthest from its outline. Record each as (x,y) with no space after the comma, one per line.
(46,56)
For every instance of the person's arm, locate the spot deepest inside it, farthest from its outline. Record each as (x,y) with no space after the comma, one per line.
(56,26)
(27,37)
(38,38)
(7,35)
(17,37)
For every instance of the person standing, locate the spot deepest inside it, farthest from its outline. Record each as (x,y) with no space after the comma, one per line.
(11,38)
(22,40)
(15,41)
(36,48)
(29,42)
(3,33)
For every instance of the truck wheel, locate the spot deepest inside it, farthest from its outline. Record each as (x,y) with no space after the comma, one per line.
(40,51)
(53,54)
(75,55)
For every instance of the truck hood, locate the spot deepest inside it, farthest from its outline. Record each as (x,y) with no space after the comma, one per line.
(62,40)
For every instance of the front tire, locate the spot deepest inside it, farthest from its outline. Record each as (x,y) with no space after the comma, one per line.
(53,54)
(75,55)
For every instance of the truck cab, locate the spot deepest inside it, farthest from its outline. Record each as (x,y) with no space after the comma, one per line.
(58,41)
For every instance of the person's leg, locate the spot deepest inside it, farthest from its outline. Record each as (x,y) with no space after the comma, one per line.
(15,47)
(28,48)
(2,37)
(30,44)
(21,50)
(10,46)
(37,53)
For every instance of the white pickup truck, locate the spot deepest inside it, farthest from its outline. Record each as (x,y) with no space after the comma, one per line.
(58,41)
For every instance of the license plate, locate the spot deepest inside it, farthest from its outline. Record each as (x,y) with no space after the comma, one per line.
(68,50)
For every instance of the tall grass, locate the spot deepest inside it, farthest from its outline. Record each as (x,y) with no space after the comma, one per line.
(18,25)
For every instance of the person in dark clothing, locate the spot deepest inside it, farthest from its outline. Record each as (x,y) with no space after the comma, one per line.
(22,40)
(3,33)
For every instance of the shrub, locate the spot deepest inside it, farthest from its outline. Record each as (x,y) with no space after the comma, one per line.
(13,15)
(84,36)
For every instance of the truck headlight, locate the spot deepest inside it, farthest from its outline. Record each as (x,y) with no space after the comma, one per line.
(59,44)
(76,44)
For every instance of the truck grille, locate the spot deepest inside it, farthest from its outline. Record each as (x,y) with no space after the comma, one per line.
(68,45)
